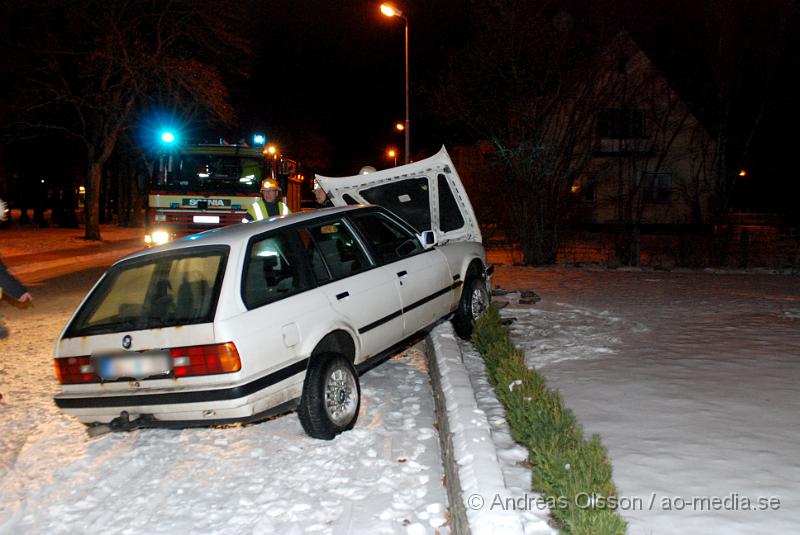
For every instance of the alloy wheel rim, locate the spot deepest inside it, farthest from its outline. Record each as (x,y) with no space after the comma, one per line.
(478,304)
(340,396)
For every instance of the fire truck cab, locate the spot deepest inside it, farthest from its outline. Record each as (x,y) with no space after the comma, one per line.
(200,187)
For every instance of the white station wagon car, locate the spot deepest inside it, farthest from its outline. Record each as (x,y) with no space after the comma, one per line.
(245,322)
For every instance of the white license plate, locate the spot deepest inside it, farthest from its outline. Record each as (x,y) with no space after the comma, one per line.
(137,366)
(209,219)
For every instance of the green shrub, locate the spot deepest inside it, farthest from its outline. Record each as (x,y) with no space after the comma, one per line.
(564,464)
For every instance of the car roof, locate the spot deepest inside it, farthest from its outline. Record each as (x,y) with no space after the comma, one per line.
(243,231)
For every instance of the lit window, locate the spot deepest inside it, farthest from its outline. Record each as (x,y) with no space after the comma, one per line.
(585,188)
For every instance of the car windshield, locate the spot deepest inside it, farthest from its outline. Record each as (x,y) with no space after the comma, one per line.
(203,172)
(158,290)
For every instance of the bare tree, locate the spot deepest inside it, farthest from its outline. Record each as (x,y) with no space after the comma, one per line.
(89,65)
(527,84)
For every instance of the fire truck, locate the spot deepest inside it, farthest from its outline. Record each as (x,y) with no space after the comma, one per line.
(204,186)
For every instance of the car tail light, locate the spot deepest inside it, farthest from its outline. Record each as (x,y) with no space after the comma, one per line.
(75,370)
(205,360)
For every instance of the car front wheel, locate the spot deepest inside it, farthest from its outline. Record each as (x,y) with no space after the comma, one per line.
(474,300)
(331,397)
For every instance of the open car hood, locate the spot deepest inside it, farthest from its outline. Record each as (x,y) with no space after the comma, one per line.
(428,194)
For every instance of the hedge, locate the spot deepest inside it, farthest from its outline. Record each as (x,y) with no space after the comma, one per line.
(572,473)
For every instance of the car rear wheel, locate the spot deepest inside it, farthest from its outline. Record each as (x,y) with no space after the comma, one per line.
(474,300)
(331,397)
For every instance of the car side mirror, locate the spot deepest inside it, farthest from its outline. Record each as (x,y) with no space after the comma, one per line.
(427,238)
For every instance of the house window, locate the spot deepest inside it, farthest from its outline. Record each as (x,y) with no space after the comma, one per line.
(621,124)
(657,187)
(584,188)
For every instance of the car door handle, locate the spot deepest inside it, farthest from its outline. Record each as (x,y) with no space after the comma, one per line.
(342,295)
(402,274)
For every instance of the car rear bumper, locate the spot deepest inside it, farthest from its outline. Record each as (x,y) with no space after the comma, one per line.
(230,403)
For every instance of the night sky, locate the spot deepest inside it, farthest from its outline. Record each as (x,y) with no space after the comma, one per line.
(337,70)
(334,71)
(326,78)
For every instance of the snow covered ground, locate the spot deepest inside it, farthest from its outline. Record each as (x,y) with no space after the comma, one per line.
(36,254)
(27,240)
(385,476)
(692,379)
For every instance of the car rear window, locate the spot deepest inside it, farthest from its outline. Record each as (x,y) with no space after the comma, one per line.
(159,290)
(409,198)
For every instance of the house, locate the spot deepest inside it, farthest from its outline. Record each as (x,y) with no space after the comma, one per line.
(649,162)
(653,162)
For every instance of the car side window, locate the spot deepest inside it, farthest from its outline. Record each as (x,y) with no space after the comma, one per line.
(272,270)
(450,215)
(389,240)
(314,254)
(338,248)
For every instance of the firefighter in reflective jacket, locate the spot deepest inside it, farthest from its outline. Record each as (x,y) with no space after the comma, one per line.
(269,204)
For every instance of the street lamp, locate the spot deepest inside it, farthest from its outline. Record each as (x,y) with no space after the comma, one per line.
(390,11)
(391,153)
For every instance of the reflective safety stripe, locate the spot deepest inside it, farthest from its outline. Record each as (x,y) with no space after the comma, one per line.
(257,209)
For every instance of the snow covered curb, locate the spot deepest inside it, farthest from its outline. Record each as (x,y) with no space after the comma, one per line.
(474,475)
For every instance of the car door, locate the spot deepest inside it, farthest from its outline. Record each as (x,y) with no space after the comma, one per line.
(421,276)
(281,303)
(428,194)
(364,295)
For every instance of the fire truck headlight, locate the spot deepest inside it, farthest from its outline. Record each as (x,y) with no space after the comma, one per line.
(160,236)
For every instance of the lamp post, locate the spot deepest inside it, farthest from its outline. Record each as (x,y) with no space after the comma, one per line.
(391,153)
(390,11)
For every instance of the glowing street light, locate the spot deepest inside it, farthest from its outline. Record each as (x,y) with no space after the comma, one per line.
(258,139)
(390,11)
(399,127)
(391,153)
(167,137)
